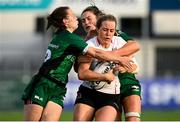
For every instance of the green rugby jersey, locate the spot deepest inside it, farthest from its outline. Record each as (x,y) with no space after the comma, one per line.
(61,54)
(123,35)
(123,76)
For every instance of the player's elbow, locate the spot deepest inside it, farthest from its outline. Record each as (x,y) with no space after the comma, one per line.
(91,51)
(81,76)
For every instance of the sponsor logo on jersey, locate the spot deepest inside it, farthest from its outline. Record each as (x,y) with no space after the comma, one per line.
(54,46)
(39,98)
(116,105)
(135,88)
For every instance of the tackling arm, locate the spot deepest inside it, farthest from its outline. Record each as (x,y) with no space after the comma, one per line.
(130,48)
(108,56)
(84,73)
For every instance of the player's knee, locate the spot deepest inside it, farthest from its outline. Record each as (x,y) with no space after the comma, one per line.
(132,116)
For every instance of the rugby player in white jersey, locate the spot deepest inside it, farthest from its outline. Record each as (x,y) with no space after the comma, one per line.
(130,86)
(98,97)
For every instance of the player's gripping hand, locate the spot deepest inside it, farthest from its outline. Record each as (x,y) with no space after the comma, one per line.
(118,69)
(109,76)
(126,62)
(122,69)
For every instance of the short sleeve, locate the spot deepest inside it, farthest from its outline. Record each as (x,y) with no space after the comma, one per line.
(78,43)
(125,36)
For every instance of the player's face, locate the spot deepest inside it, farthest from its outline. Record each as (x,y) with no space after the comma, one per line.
(88,21)
(71,21)
(106,31)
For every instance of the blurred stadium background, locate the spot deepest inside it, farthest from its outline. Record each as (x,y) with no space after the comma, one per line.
(154,23)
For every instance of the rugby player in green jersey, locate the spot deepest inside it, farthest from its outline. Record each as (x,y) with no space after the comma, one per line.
(43,97)
(130,86)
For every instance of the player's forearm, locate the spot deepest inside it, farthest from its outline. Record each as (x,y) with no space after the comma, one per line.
(91,76)
(106,55)
(130,48)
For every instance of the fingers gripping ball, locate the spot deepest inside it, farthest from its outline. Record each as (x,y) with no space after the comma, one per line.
(102,67)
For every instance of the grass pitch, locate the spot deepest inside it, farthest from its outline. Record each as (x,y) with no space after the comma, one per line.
(67,116)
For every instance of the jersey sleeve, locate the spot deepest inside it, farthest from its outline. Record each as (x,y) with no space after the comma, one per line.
(125,36)
(80,45)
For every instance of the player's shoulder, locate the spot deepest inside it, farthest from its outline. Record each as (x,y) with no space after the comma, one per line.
(68,36)
(75,36)
(116,40)
(124,35)
(92,41)
(119,33)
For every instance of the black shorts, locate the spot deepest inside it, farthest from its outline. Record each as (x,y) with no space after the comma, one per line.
(97,99)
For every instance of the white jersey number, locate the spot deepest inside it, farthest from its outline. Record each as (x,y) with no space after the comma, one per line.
(48,55)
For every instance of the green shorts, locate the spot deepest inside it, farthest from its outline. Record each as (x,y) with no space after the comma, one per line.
(133,88)
(41,90)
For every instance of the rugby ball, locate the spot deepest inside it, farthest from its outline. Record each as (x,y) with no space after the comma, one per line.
(101,67)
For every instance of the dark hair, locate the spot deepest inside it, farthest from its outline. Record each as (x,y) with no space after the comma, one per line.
(94,10)
(105,18)
(56,18)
